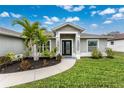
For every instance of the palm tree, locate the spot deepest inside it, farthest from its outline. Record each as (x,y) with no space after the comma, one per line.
(41,38)
(29,32)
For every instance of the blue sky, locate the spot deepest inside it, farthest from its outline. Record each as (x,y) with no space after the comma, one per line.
(95,19)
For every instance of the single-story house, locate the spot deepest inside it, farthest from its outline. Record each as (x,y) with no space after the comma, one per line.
(116,42)
(69,39)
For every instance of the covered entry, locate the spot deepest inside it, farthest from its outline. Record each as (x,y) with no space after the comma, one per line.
(68,39)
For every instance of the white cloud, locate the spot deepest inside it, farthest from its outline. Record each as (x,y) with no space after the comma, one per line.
(79,8)
(92,7)
(107,11)
(107,22)
(4,14)
(94,25)
(117,16)
(55,19)
(15,15)
(72,19)
(66,7)
(94,12)
(72,8)
(121,10)
(51,20)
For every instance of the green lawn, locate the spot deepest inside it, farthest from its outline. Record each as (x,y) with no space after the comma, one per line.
(87,72)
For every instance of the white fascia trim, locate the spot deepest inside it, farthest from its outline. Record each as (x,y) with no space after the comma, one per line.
(68,32)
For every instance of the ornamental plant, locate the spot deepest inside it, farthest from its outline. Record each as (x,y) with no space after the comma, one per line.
(10,56)
(110,53)
(96,54)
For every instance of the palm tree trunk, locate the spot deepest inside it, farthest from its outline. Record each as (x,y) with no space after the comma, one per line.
(34,52)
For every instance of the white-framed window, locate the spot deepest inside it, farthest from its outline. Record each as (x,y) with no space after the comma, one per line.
(47,46)
(92,44)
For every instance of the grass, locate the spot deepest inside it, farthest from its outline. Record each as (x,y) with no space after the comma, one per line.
(87,73)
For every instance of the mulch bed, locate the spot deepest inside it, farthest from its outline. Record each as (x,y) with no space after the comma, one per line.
(15,65)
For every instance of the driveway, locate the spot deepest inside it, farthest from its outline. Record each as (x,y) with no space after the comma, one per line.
(7,80)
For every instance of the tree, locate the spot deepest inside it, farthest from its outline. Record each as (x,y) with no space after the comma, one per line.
(32,34)
(41,38)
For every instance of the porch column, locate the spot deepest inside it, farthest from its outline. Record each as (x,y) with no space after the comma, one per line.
(77,44)
(58,44)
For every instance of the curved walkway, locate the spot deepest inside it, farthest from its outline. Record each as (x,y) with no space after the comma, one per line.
(7,80)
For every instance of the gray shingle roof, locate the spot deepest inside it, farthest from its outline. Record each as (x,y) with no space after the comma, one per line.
(12,33)
(8,32)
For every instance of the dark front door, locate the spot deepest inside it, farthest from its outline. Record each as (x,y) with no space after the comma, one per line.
(66,47)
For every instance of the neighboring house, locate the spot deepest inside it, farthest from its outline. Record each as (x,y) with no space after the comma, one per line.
(116,42)
(70,40)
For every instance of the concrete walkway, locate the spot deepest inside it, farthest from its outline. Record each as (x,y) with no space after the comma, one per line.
(7,80)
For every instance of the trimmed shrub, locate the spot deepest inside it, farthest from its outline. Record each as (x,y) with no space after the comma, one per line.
(58,58)
(46,53)
(25,65)
(10,56)
(96,54)
(53,52)
(110,53)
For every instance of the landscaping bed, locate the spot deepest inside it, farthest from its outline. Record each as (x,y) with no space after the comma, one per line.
(15,66)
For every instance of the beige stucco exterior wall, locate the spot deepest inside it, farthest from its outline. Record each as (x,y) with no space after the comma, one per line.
(53,43)
(11,44)
(84,45)
(102,44)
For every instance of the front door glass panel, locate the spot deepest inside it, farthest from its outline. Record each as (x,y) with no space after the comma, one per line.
(66,47)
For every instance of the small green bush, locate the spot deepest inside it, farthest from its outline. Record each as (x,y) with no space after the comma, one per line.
(96,54)
(53,52)
(110,53)
(10,56)
(46,53)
